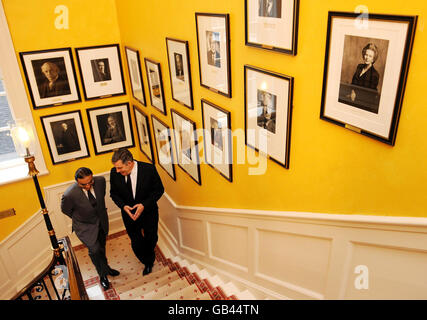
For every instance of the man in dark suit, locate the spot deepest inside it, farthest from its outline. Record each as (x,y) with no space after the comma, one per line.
(270,8)
(68,140)
(135,189)
(214,58)
(100,70)
(84,203)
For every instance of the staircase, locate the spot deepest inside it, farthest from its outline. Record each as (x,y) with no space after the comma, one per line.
(171,279)
(176,279)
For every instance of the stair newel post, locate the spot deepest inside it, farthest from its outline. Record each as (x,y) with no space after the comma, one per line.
(53,240)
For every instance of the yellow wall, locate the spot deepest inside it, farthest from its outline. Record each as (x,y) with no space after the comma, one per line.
(332,170)
(31,23)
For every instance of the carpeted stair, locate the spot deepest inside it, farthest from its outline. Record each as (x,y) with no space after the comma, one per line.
(176,279)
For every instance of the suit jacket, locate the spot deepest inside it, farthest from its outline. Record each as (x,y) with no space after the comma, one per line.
(369,79)
(214,59)
(149,188)
(113,135)
(86,219)
(59,88)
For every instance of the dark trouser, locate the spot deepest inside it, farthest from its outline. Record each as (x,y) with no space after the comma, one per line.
(143,245)
(97,254)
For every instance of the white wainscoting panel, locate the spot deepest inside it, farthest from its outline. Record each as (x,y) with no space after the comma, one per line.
(393,272)
(302,255)
(192,235)
(293,260)
(24,253)
(228,244)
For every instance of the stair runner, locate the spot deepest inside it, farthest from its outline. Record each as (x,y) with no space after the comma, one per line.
(173,279)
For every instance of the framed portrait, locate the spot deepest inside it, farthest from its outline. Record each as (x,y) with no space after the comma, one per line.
(179,71)
(65,136)
(144,136)
(155,84)
(135,75)
(101,71)
(268,113)
(186,145)
(213,43)
(272,25)
(217,138)
(110,127)
(163,141)
(51,77)
(366,66)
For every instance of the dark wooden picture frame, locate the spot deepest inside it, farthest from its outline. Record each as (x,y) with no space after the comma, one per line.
(111,127)
(180,71)
(101,71)
(364,91)
(268,113)
(155,85)
(213,44)
(65,136)
(266,17)
(51,77)
(186,145)
(217,139)
(144,133)
(135,75)
(163,142)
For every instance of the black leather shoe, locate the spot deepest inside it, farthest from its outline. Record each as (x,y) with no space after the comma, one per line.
(148,269)
(104,282)
(113,272)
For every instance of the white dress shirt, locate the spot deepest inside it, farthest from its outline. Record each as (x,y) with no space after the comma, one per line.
(91,191)
(134,177)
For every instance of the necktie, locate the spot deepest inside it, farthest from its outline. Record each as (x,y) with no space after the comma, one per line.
(92,199)
(129,185)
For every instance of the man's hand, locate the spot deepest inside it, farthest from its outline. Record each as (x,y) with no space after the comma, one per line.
(139,209)
(128,210)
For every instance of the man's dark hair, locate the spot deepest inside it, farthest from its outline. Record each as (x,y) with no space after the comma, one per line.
(82,172)
(122,154)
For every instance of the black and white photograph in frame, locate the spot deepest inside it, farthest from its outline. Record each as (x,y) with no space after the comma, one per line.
(163,141)
(135,74)
(101,71)
(268,113)
(179,71)
(144,136)
(65,136)
(51,77)
(272,25)
(186,145)
(110,127)
(213,43)
(365,73)
(155,84)
(217,138)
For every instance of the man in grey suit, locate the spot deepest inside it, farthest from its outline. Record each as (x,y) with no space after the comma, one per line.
(84,203)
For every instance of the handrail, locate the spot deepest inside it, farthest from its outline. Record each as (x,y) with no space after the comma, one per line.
(74,279)
(76,284)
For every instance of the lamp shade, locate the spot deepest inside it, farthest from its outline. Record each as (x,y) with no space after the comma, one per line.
(23,137)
